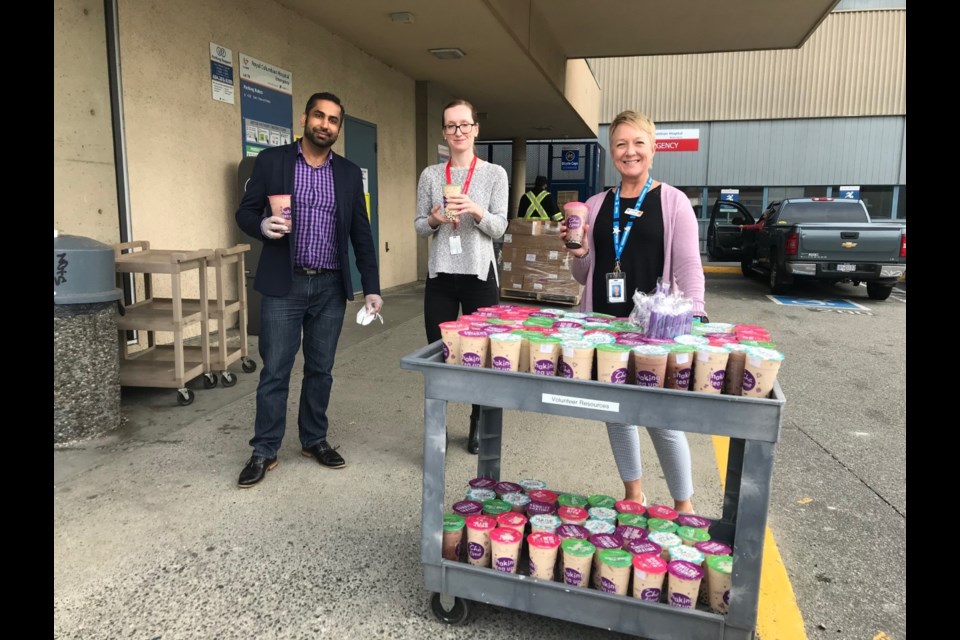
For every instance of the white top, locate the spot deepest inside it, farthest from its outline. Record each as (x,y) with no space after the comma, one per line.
(490,190)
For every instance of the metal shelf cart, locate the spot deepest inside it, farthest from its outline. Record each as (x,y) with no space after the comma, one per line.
(752,424)
(164,366)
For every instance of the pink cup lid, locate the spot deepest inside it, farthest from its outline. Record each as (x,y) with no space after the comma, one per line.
(543,314)
(573,531)
(467,507)
(543,495)
(690,520)
(453,325)
(645,547)
(496,328)
(481,522)
(543,540)
(493,308)
(606,541)
(573,513)
(472,333)
(540,508)
(685,570)
(629,506)
(469,318)
(483,483)
(505,535)
(661,511)
(650,563)
(511,519)
(486,314)
(713,548)
(507,487)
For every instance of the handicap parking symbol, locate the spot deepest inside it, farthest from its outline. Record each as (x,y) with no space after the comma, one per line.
(816,302)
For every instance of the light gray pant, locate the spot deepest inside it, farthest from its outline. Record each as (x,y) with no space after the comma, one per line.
(671,446)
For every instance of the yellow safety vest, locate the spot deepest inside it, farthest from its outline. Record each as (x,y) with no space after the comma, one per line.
(536,207)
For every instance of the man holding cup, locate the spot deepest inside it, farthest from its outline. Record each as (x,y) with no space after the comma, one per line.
(315,205)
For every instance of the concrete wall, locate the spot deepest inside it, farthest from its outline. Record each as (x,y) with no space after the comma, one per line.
(183,147)
(85,189)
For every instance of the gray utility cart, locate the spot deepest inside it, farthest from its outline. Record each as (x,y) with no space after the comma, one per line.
(752,424)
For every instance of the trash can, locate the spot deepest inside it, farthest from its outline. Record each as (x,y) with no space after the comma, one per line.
(86,359)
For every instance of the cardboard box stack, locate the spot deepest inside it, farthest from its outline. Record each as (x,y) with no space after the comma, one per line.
(535,266)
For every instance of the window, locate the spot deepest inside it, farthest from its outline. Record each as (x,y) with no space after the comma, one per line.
(750,197)
(879,200)
(902,203)
(696,200)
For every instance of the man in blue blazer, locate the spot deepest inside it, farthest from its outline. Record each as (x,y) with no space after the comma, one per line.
(304,277)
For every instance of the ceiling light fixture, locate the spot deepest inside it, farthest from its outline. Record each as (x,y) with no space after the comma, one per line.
(402,17)
(447,54)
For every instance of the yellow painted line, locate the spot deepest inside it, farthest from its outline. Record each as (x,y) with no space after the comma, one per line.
(718,269)
(778,616)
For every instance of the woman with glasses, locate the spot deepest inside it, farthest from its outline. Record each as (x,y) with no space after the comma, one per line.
(462,274)
(636,233)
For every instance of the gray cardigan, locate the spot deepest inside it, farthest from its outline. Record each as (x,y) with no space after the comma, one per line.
(489,189)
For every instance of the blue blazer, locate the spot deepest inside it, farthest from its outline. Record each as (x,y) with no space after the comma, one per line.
(273,174)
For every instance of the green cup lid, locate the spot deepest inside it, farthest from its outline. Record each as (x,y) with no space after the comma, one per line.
(545,339)
(495,507)
(736,346)
(659,524)
(632,519)
(651,350)
(720,564)
(764,353)
(602,500)
(681,348)
(453,522)
(578,547)
(614,346)
(525,333)
(617,558)
(538,321)
(505,337)
(572,500)
(693,533)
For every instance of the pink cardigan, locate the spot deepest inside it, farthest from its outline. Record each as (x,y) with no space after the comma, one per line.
(681,249)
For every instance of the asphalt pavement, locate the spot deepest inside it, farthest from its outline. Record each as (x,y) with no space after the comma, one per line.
(153,539)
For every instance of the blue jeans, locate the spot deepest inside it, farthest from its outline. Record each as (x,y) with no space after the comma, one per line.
(315,306)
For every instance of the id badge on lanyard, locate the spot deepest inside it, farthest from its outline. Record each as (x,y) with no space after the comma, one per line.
(616,281)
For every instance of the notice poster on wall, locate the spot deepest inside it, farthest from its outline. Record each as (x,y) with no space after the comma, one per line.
(266,105)
(221,73)
(678,140)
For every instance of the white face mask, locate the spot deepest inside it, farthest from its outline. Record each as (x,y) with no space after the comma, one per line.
(364,318)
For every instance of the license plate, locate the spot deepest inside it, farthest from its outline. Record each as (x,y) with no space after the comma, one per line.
(846,267)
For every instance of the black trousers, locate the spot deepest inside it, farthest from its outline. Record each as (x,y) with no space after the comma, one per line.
(448,293)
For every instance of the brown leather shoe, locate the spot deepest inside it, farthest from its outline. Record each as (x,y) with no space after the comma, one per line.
(325,455)
(256,468)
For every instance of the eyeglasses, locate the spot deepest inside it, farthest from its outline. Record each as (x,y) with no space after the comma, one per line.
(464,128)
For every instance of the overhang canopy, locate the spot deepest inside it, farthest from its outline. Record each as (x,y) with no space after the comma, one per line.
(514,67)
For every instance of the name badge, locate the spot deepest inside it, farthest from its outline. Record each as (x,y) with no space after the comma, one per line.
(633,213)
(616,287)
(455,246)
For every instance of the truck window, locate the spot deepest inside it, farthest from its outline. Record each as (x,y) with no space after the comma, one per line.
(831,211)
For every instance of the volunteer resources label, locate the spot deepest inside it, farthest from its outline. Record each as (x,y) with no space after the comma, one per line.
(583,403)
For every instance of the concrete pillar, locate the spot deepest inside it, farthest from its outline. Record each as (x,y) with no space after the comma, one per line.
(518,177)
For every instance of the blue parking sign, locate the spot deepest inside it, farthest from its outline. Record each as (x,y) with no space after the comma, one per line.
(849,193)
(570,160)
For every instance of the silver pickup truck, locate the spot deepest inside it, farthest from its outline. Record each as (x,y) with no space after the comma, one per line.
(828,239)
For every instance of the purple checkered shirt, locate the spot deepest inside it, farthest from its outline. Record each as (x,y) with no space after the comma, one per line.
(316,205)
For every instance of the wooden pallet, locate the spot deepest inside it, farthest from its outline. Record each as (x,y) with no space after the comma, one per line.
(540,296)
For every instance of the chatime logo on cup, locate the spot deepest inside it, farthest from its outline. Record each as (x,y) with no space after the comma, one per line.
(619,376)
(749,382)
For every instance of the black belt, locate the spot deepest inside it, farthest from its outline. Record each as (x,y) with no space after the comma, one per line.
(305,271)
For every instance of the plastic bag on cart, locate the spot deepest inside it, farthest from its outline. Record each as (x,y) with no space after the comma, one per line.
(663,314)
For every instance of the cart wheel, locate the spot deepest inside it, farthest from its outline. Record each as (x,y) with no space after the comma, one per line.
(184,397)
(227,379)
(210,380)
(249,366)
(456,613)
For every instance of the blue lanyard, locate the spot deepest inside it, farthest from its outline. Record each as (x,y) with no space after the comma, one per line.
(619,245)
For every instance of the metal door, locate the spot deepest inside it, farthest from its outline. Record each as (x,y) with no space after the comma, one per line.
(360,142)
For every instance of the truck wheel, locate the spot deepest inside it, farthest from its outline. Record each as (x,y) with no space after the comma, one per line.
(878,291)
(777,284)
(746,266)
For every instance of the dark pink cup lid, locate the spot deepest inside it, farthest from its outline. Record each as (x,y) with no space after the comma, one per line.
(573,531)
(688,520)
(482,483)
(507,487)
(630,533)
(713,548)
(685,570)
(467,507)
(606,541)
(643,547)
(540,508)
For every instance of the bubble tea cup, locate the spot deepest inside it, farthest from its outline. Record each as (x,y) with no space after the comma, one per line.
(543,548)
(478,539)
(575,217)
(450,335)
(280,207)
(453,525)
(505,351)
(505,549)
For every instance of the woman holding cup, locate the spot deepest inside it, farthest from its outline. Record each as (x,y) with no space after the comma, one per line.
(461,207)
(633,235)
